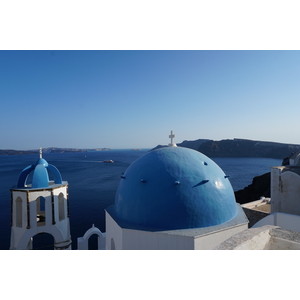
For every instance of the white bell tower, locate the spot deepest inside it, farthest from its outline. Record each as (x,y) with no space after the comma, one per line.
(40,207)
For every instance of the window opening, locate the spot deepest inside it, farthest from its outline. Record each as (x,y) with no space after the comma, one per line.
(112,244)
(19,218)
(61,206)
(41,210)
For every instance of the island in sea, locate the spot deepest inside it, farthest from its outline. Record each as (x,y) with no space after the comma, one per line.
(49,150)
(211,148)
(240,148)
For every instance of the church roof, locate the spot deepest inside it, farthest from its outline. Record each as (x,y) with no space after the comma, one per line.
(40,176)
(174,188)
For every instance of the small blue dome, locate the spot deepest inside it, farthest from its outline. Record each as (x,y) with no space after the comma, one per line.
(174,188)
(40,176)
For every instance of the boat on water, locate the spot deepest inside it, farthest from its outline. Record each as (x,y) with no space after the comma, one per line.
(108,161)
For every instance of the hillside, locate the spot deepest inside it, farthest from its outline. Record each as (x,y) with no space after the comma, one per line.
(48,150)
(187,144)
(240,148)
(247,148)
(17,152)
(259,187)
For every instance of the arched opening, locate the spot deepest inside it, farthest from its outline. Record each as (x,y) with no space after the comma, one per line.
(61,206)
(19,219)
(112,244)
(40,210)
(93,242)
(43,241)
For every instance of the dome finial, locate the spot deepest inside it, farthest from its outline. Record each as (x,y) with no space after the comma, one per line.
(171,136)
(41,153)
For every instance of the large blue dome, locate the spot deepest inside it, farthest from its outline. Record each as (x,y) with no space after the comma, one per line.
(174,188)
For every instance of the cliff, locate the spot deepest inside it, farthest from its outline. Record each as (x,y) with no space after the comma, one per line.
(239,148)
(259,187)
(49,150)
(187,144)
(247,148)
(63,150)
(17,152)
(194,144)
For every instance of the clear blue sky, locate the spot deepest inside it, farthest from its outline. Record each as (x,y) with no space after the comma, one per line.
(128,99)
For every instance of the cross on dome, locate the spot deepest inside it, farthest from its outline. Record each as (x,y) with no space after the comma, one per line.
(41,153)
(171,136)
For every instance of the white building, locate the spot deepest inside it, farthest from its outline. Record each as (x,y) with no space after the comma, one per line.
(285,187)
(173,198)
(40,207)
(170,198)
(280,229)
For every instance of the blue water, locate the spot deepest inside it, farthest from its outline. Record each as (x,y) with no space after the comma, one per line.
(92,183)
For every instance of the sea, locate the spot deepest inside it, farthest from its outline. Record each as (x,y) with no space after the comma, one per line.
(93,183)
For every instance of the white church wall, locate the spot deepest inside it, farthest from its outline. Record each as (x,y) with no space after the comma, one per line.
(21,196)
(128,239)
(83,242)
(62,224)
(60,238)
(283,220)
(185,239)
(285,191)
(17,230)
(113,234)
(60,230)
(149,240)
(56,193)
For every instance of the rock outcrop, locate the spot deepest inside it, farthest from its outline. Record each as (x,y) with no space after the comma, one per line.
(260,187)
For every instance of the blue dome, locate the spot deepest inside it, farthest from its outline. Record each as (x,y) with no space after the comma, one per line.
(174,188)
(40,177)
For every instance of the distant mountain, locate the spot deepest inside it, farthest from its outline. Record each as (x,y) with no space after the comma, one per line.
(186,144)
(193,144)
(63,150)
(247,148)
(17,152)
(240,148)
(49,150)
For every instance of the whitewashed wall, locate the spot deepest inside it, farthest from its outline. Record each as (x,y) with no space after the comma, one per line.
(285,191)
